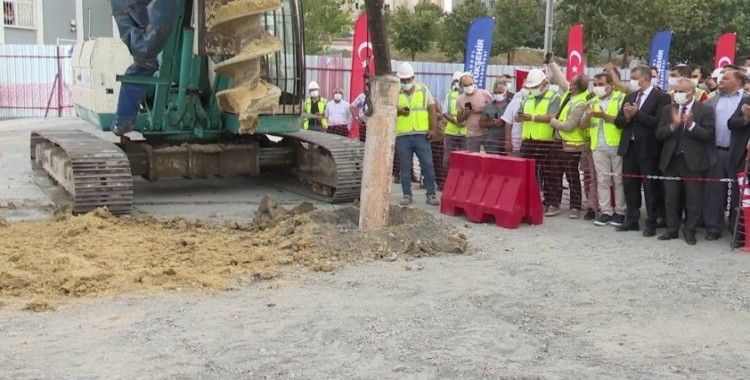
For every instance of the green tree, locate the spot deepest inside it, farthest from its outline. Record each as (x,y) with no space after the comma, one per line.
(696,25)
(415,32)
(452,40)
(324,19)
(518,23)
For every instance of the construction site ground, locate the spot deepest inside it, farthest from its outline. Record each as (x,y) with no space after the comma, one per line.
(566,299)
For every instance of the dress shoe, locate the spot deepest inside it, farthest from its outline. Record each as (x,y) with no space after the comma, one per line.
(649,231)
(668,236)
(689,237)
(628,227)
(711,236)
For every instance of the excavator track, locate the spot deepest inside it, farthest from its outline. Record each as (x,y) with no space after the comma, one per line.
(329,165)
(92,172)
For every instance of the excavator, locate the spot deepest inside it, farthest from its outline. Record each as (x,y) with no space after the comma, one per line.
(227,100)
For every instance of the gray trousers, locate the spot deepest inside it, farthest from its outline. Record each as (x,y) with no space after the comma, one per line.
(715,194)
(451,144)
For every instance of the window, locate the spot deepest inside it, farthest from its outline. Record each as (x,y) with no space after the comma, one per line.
(19,13)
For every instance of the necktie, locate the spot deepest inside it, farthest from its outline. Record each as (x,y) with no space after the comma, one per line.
(681,132)
(638,99)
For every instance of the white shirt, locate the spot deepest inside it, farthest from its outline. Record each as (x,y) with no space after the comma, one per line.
(509,118)
(338,113)
(645,95)
(359,103)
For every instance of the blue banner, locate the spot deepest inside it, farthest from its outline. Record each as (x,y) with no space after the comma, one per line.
(660,56)
(478,47)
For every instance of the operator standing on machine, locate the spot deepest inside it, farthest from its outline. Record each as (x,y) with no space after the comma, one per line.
(144,26)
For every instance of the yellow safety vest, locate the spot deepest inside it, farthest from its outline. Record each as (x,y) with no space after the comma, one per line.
(452,129)
(576,136)
(612,134)
(321,107)
(418,121)
(533,130)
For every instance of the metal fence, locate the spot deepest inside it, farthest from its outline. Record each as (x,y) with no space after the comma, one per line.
(35,81)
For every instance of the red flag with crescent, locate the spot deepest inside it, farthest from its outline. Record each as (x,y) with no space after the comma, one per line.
(726,46)
(521,75)
(361,57)
(575,52)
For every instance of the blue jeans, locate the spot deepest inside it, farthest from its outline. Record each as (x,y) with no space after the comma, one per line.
(407,146)
(145,26)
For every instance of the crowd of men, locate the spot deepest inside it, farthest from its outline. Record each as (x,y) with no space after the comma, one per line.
(672,148)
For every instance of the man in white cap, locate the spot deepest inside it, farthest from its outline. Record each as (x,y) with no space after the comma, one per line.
(416,124)
(538,137)
(315,106)
(455,132)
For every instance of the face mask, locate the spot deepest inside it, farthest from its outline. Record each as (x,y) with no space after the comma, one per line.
(703,87)
(554,88)
(407,86)
(599,91)
(673,82)
(337,97)
(634,86)
(680,98)
(314,93)
(469,89)
(654,81)
(498,97)
(454,86)
(695,81)
(534,92)
(524,92)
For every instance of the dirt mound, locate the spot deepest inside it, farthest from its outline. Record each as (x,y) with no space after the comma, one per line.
(45,263)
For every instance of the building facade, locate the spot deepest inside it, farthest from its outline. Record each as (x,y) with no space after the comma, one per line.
(51,22)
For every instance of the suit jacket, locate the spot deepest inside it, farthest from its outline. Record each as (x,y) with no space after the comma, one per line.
(695,142)
(740,135)
(643,125)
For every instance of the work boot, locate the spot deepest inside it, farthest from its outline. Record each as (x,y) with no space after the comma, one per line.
(122,129)
(406,200)
(552,211)
(432,200)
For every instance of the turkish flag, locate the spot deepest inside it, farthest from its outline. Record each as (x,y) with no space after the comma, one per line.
(520,78)
(726,46)
(575,52)
(362,59)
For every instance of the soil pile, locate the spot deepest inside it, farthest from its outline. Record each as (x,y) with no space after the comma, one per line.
(44,263)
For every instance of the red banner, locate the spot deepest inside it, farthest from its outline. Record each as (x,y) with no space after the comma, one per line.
(575,52)
(726,46)
(361,57)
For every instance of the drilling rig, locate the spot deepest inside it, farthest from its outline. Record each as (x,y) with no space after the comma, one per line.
(227,100)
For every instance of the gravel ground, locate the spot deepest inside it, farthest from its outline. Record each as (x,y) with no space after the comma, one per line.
(566,299)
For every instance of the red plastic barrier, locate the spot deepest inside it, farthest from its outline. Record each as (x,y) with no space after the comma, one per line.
(484,185)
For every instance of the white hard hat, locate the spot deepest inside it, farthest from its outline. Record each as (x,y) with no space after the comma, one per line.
(534,78)
(313,86)
(405,71)
(716,74)
(457,75)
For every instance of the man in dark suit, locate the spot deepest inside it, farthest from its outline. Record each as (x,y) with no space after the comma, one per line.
(739,125)
(638,118)
(687,130)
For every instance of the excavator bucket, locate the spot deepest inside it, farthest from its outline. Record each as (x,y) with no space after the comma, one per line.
(239,23)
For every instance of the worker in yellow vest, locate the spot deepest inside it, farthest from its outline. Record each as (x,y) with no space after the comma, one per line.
(605,139)
(537,135)
(315,107)
(416,124)
(455,132)
(574,139)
